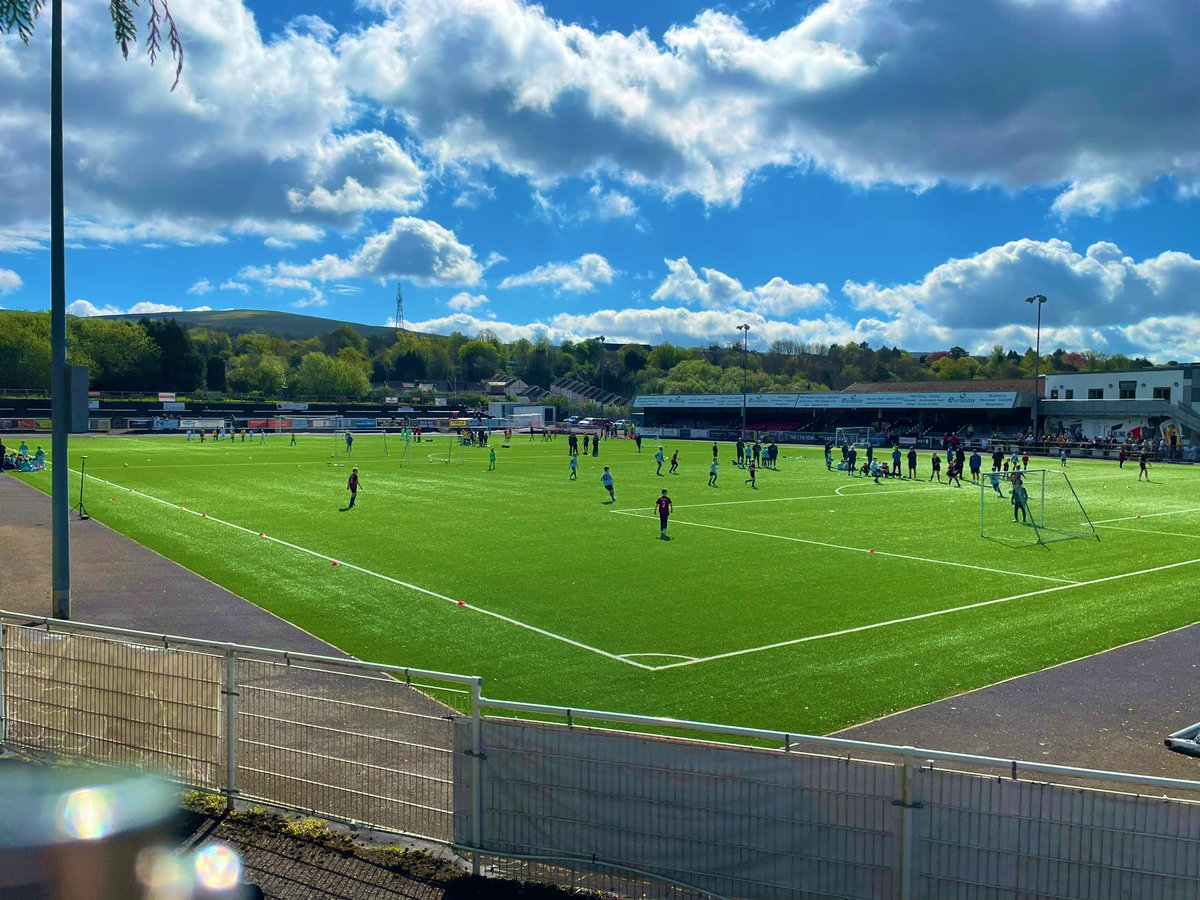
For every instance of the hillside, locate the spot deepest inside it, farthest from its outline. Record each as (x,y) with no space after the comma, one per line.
(285,324)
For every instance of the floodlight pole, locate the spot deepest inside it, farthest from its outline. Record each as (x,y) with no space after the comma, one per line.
(601,338)
(60,548)
(745,330)
(1037,300)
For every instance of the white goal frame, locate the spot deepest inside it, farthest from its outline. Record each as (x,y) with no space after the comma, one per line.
(1045,489)
(855,437)
(339,439)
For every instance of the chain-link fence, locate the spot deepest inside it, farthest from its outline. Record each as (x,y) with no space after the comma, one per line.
(570,796)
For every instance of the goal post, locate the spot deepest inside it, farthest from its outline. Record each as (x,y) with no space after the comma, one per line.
(854,437)
(1034,506)
(364,443)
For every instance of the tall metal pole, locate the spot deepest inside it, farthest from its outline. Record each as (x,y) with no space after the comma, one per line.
(745,330)
(601,338)
(59,503)
(1037,300)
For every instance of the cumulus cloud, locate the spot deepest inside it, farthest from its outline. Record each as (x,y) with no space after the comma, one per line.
(201,287)
(1099,299)
(464,302)
(577,277)
(144,307)
(87,308)
(870,91)
(716,290)
(262,136)
(9,281)
(417,250)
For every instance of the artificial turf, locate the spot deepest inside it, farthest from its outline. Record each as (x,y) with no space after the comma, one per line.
(575,577)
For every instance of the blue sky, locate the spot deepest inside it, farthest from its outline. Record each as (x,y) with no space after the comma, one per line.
(903,172)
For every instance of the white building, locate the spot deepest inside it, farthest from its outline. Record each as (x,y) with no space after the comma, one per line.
(1150,403)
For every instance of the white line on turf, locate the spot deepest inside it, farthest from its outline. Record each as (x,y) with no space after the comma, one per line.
(924,559)
(793,499)
(1170,512)
(927,615)
(663,655)
(380,576)
(1149,531)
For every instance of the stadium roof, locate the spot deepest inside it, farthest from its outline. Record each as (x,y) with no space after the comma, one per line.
(964,386)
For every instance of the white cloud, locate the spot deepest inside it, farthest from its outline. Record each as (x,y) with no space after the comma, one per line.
(87,308)
(578,277)
(148,307)
(9,281)
(262,136)
(230,285)
(464,302)
(612,204)
(418,250)
(314,300)
(201,287)
(870,91)
(716,290)
(1099,299)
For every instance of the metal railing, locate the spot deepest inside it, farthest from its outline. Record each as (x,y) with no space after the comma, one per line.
(632,804)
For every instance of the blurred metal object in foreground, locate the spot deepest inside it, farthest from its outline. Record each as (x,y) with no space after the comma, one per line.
(87,834)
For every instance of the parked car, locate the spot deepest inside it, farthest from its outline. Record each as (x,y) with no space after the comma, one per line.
(570,420)
(587,423)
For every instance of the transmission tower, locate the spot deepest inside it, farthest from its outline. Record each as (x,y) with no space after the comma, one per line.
(399,309)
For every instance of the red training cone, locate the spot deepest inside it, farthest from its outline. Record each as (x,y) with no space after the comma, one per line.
(872,550)
(261,534)
(335,563)
(462,602)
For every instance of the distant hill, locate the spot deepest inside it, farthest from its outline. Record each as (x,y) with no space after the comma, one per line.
(284,324)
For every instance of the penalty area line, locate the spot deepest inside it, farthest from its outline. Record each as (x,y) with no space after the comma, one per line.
(396,581)
(924,559)
(1177,534)
(1171,512)
(928,615)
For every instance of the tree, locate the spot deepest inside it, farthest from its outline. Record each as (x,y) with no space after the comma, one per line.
(479,360)
(182,366)
(214,374)
(342,337)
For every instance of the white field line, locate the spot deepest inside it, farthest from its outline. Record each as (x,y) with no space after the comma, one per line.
(924,559)
(793,499)
(1178,534)
(664,655)
(381,577)
(1173,512)
(927,615)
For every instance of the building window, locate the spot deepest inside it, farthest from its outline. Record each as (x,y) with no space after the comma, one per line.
(1095,393)
(1162,393)
(1069,394)
(1053,393)
(1128,390)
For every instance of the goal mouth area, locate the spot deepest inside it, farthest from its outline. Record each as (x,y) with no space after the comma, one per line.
(1049,513)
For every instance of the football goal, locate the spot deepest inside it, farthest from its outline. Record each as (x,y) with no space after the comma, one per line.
(855,437)
(360,443)
(1036,506)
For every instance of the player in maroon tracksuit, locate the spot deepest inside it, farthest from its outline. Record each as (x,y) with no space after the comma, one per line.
(663,505)
(352,486)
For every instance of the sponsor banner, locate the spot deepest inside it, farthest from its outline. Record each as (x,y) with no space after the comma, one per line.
(832,400)
(166,398)
(172,406)
(93,404)
(391,400)
(908,440)
(439,401)
(364,423)
(165,424)
(206,424)
(300,407)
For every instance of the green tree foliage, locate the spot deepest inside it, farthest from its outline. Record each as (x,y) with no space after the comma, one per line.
(214,376)
(181,365)
(479,359)
(119,354)
(25,350)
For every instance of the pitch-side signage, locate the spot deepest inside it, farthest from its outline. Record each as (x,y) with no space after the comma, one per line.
(835,400)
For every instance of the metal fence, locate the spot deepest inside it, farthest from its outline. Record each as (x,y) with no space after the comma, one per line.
(576,797)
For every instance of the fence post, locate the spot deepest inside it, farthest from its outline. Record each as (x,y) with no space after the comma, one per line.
(908,802)
(476,772)
(3,706)
(231,695)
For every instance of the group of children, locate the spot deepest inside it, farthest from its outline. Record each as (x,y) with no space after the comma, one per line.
(20,460)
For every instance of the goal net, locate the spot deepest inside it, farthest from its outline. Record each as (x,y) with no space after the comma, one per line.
(1035,506)
(360,444)
(855,437)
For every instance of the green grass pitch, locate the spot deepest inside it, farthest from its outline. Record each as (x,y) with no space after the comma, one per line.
(574,601)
